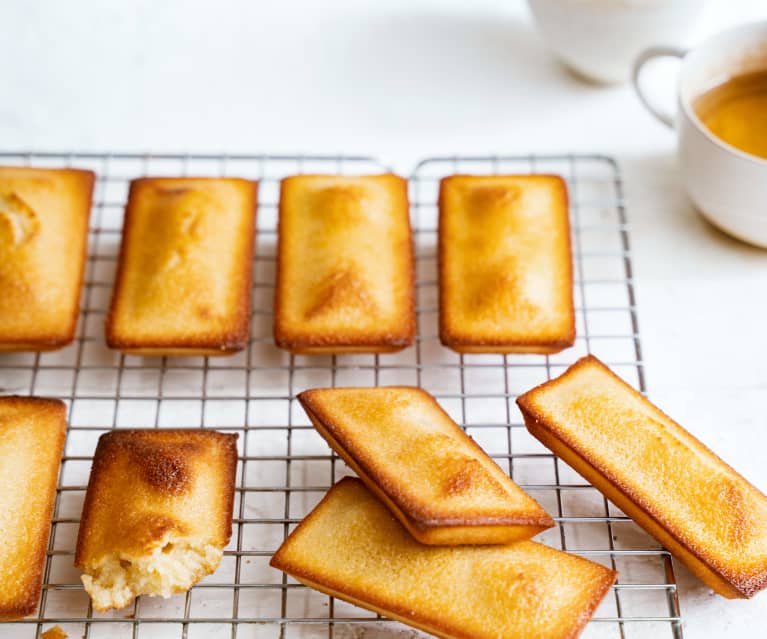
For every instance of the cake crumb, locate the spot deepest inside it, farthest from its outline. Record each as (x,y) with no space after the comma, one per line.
(55,632)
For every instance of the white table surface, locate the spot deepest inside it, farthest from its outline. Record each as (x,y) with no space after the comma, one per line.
(405,79)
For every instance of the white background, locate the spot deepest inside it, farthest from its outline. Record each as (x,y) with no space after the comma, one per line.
(405,79)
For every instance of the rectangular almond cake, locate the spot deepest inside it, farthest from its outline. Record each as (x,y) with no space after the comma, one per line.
(32,434)
(43,243)
(157,513)
(184,276)
(656,472)
(505,265)
(351,547)
(345,270)
(435,479)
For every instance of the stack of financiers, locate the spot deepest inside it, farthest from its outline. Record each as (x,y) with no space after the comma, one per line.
(433,533)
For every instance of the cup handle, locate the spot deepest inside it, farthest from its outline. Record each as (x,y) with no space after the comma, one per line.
(644,57)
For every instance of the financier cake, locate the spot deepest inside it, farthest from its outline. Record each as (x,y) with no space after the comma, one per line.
(345,270)
(157,513)
(505,265)
(184,275)
(433,477)
(43,243)
(353,548)
(32,434)
(679,491)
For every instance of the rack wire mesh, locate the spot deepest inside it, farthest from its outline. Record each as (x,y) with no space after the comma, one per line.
(284,466)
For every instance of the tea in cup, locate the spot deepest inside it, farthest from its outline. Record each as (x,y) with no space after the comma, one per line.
(735,111)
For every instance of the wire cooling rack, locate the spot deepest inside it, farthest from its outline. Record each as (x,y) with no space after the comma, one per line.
(285,467)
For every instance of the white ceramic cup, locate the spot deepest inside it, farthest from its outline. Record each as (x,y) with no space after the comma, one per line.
(728,186)
(600,39)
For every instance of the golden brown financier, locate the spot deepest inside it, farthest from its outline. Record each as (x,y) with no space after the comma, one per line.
(43,243)
(679,491)
(184,275)
(433,477)
(157,513)
(345,267)
(32,432)
(351,547)
(505,264)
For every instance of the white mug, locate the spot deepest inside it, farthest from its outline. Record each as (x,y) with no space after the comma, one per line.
(728,186)
(600,39)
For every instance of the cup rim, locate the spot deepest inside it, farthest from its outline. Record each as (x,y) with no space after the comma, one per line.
(686,101)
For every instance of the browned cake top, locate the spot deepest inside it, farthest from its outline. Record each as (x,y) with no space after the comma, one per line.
(185,271)
(702,502)
(146,483)
(43,237)
(31,442)
(345,263)
(352,546)
(505,262)
(419,457)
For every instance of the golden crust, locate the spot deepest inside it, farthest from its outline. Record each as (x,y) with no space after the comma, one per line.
(345,267)
(435,479)
(184,275)
(32,432)
(673,486)
(505,264)
(43,242)
(147,483)
(55,632)
(350,546)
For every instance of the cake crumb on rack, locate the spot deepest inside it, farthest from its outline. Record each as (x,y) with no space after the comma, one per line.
(55,632)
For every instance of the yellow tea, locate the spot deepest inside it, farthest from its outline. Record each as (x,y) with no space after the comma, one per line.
(736,112)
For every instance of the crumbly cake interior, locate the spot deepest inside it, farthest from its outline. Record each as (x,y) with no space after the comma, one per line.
(173,566)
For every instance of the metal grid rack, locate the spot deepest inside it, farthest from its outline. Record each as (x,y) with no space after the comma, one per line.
(285,467)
